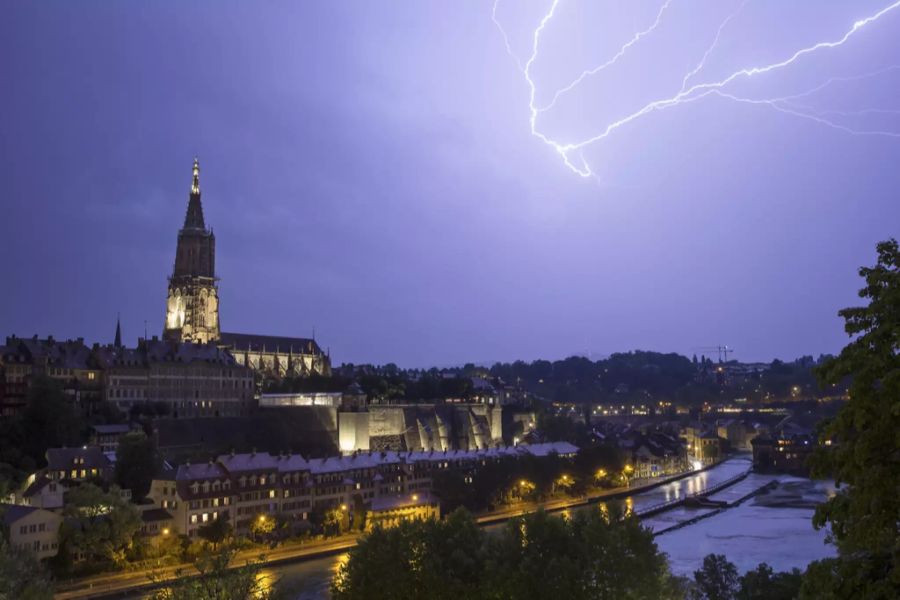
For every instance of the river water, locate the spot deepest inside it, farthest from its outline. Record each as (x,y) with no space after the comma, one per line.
(747,534)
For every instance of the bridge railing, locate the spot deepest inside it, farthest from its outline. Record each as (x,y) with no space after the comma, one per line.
(722,485)
(655,508)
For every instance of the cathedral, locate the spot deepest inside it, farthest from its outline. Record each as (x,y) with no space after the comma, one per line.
(192,308)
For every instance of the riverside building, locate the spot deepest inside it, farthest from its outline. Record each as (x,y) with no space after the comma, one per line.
(254,486)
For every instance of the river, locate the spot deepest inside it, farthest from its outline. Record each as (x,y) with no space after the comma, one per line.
(745,534)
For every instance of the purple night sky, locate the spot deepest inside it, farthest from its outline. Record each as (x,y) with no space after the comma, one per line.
(369,172)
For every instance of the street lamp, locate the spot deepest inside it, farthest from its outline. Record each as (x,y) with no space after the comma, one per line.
(626,472)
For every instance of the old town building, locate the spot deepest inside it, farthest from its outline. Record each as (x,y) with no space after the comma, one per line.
(78,464)
(188,380)
(31,529)
(786,450)
(70,362)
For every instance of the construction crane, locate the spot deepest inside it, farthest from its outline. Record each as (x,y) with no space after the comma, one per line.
(723,351)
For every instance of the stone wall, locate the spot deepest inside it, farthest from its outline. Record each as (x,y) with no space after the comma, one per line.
(421,427)
(308,430)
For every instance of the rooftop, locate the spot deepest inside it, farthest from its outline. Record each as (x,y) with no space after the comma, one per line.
(269,343)
(255,461)
(111,429)
(189,472)
(13,512)
(156,514)
(90,457)
(263,461)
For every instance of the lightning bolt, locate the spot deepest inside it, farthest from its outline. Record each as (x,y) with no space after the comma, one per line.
(691,92)
(584,75)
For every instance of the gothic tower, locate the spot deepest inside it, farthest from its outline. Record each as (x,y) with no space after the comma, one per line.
(192,310)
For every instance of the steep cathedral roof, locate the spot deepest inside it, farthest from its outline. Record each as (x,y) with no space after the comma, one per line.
(269,343)
(194,217)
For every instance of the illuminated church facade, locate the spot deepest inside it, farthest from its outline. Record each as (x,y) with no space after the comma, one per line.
(192,306)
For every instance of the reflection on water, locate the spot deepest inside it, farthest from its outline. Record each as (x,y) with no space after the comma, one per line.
(604,511)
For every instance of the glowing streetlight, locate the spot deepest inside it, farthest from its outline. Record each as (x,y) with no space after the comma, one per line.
(343,507)
(415,497)
(165,531)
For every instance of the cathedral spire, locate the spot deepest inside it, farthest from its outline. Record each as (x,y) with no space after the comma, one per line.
(118,342)
(194,217)
(195,185)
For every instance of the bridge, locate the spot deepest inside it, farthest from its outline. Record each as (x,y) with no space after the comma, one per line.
(705,500)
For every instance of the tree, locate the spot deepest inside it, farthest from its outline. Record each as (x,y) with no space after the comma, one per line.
(137,462)
(450,486)
(763,584)
(586,556)
(215,532)
(717,579)
(437,559)
(864,456)
(21,576)
(99,525)
(536,556)
(49,419)
(333,521)
(214,578)
(262,526)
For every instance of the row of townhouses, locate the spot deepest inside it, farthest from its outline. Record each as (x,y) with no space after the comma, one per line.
(187,379)
(389,486)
